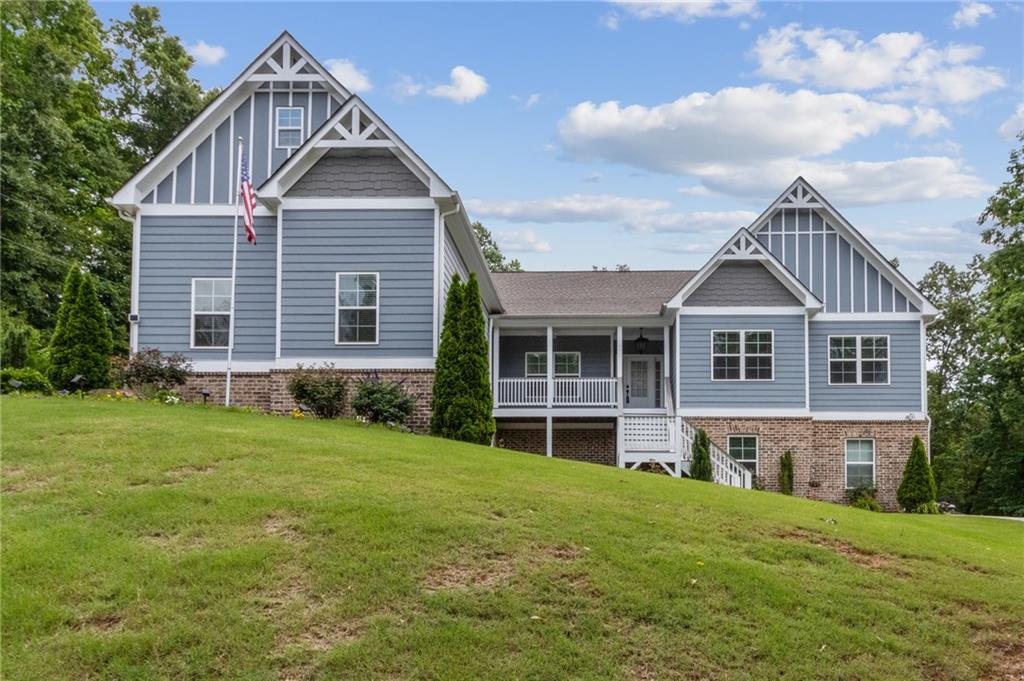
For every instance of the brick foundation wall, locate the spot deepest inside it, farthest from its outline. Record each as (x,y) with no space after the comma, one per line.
(578,444)
(268,390)
(819,454)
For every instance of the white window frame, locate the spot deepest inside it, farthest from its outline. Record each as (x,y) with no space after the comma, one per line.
(526,364)
(846,460)
(338,307)
(278,127)
(860,358)
(192,317)
(742,355)
(757,450)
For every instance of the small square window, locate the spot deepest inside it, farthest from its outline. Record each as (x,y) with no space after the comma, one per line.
(743,448)
(536,364)
(289,127)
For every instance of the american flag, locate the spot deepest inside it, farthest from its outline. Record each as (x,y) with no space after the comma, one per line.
(248,196)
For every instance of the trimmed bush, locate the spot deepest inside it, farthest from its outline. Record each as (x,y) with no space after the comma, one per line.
(82,343)
(472,418)
(863,497)
(700,467)
(31,381)
(917,489)
(380,401)
(149,371)
(16,344)
(786,472)
(321,389)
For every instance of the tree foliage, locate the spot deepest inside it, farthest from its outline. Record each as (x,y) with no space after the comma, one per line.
(80,107)
(446,365)
(82,345)
(496,261)
(700,467)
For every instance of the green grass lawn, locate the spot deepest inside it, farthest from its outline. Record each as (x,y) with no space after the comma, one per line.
(144,541)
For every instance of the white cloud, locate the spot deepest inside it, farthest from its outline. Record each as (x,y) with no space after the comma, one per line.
(593,177)
(928,121)
(206,54)
(637,214)
(970,12)
(405,86)
(898,65)
(918,178)
(696,190)
(1013,125)
(522,241)
(526,103)
(349,75)
(465,86)
(688,11)
(610,20)
(569,208)
(737,124)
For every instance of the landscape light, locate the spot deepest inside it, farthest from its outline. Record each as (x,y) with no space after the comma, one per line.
(205,392)
(76,379)
(15,383)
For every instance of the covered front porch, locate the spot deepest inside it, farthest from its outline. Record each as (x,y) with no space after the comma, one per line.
(610,369)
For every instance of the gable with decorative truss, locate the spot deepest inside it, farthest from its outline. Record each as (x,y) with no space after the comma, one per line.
(274,106)
(327,161)
(744,273)
(819,247)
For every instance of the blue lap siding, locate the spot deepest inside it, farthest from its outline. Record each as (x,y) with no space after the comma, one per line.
(398,244)
(698,391)
(173,251)
(904,390)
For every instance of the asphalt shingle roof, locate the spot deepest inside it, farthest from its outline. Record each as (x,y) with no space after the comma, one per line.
(588,293)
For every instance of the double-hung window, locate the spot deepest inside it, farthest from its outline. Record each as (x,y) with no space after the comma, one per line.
(858,360)
(566,364)
(860,463)
(358,313)
(211,312)
(289,127)
(742,355)
(743,448)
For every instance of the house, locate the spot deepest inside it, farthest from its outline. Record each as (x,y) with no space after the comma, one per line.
(796,335)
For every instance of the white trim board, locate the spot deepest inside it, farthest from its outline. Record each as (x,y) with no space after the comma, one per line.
(349,363)
(697,311)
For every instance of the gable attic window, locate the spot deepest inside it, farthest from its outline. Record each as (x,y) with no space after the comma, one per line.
(289,127)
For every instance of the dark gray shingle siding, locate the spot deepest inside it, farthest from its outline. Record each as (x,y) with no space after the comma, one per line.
(358,172)
(741,284)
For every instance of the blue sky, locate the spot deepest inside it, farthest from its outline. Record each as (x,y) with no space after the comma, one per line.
(596,134)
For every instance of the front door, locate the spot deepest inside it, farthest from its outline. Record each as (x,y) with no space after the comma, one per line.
(641,382)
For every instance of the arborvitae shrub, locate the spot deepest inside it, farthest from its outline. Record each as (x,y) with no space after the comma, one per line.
(16,341)
(700,467)
(321,389)
(917,490)
(471,417)
(786,472)
(381,401)
(446,366)
(83,344)
(61,341)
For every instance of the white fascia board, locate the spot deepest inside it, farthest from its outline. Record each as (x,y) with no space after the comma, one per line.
(581,321)
(695,310)
(352,363)
(187,209)
(722,412)
(868,317)
(869,416)
(132,192)
(871,254)
(461,229)
(359,203)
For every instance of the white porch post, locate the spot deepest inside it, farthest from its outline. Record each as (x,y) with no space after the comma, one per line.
(666,393)
(496,363)
(551,376)
(618,364)
(547,435)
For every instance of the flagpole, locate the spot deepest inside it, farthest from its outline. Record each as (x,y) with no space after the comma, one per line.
(234,268)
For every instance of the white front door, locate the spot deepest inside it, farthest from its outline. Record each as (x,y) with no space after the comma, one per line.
(641,382)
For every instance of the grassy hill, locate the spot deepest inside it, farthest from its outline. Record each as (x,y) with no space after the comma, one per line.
(143,541)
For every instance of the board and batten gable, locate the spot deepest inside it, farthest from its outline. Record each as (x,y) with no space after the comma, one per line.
(697,390)
(208,170)
(173,250)
(901,394)
(317,244)
(829,264)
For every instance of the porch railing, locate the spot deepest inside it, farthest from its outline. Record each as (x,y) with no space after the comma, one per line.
(568,392)
(725,469)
